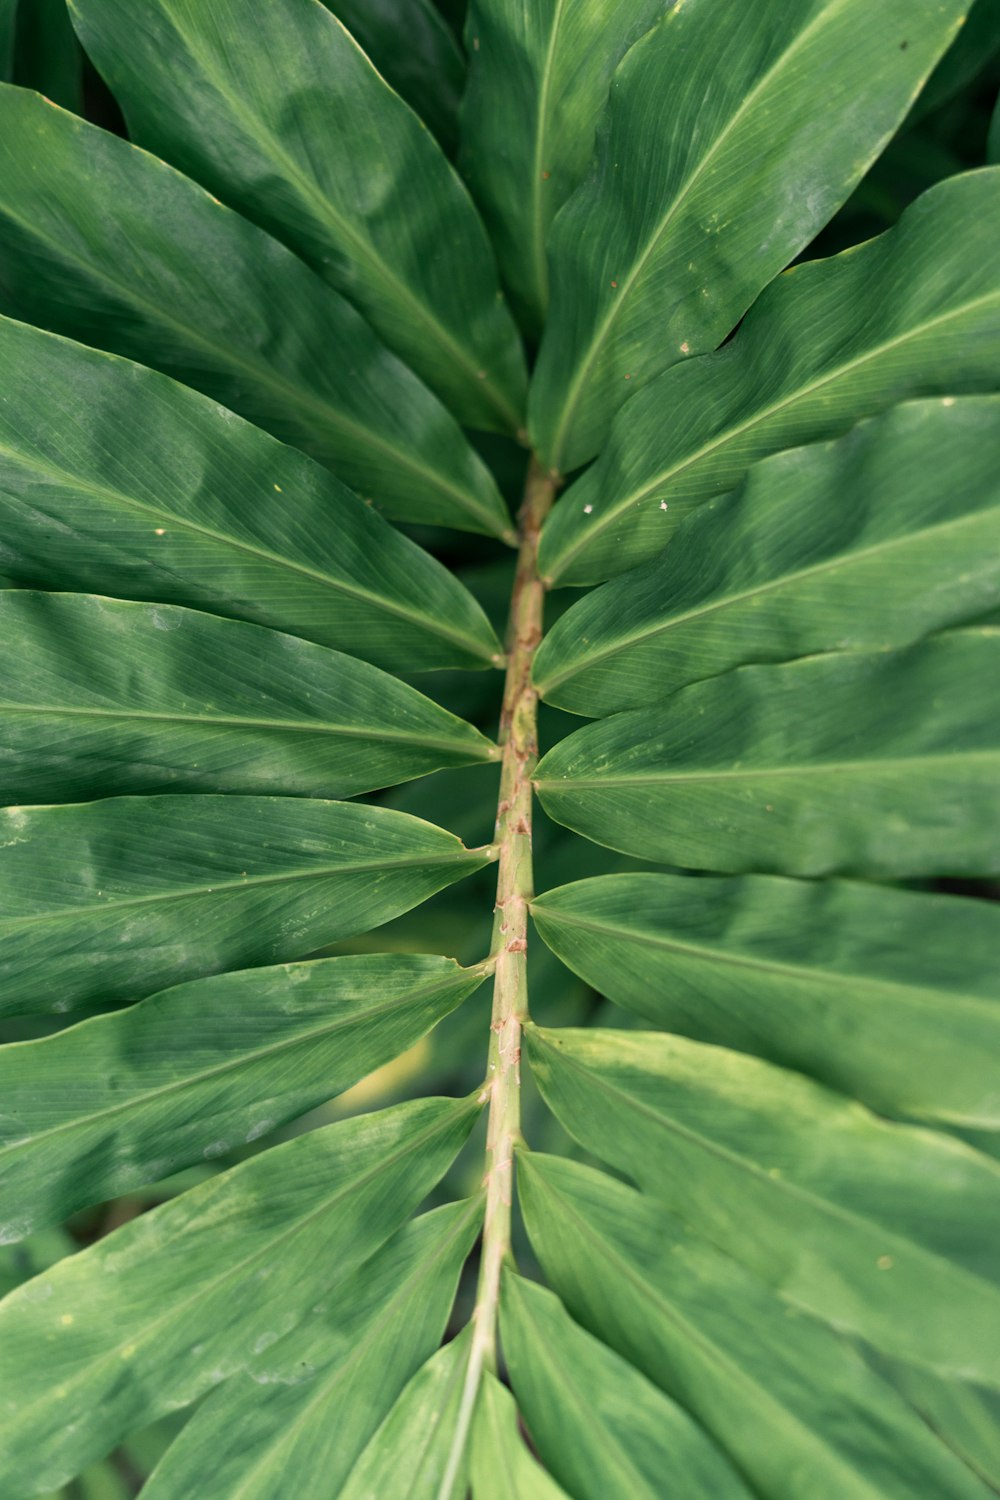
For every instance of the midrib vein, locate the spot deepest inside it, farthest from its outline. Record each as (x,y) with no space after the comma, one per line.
(209,721)
(321,872)
(569,783)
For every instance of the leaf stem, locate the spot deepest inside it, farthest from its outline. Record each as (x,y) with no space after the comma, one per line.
(519,741)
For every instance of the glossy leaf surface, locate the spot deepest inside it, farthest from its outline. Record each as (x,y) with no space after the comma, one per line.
(100,697)
(850,1218)
(913,312)
(386,222)
(787,1399)
(603,1428)
(206,511)
(331,1380)
(190,1074)
(697,200)
(830,765)
(538,80)
(105,902)
(188,1294)
(105,244)
(850,546)
(890,996)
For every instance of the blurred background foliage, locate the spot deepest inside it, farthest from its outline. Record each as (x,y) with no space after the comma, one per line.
(947,131)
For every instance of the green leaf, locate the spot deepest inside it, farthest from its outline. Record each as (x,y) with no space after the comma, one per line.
(100,697)
(301,134)
(889,996)
(793,1406)
(911,313)
(850,1218)
(601,1427)
(852,545)
(107,245)
(105,902)
(415,50)
(298,1418)
(883,764)
(538,79)
(993,143)
(119,481)
(420,1448)
(196,1071)
(965,1416)
(501,1466)
(698,200)
(179,1299)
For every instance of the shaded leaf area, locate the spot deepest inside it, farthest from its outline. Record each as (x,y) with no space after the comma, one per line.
(100,697)
(890,996)
(192,1292)
(416,52)
(47,55)
(854,545)
(786,1399)
(853,1219)
(602,1427)
(106,902)
(206,511)
(317,1395)
(105,244)
(192,1073)
(829,765)
(911,313)
(697,201)
(264,127)
(539,75)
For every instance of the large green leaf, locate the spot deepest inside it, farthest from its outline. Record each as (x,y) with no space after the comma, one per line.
(100,697)
(120,481)
(177,1300)
(301,133)
(538,80)
(107,245)
(104,902)
(421,1448)
(502,1468)
(890,996)
(297,1420)
(851,545)
(794,1407)
(698,199)
(913,312)
(851,1218)
(601,1427)
(967,1417)
(415,50)
(884,764)
(122,1100)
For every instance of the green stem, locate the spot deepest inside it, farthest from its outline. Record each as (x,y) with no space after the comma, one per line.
(519,741)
